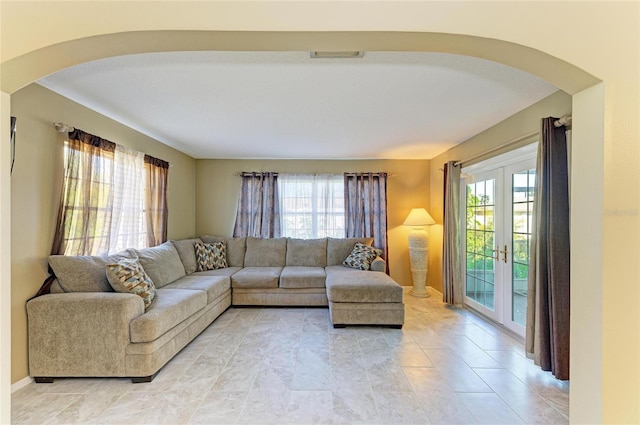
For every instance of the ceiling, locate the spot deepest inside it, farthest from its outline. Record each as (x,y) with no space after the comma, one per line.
(391,105)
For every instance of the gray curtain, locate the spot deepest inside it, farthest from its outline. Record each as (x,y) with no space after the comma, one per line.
(548,299)
(258,212)
(365,204)
(451,271)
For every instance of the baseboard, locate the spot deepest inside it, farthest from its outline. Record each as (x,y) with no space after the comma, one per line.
(433,291)
(21,384)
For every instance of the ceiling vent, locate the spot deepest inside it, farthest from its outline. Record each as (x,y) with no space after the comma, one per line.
(337,55)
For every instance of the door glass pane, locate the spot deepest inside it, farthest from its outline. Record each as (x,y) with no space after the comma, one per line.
(480,235)
(522,219)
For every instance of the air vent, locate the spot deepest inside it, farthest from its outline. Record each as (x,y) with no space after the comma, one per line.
(337,55)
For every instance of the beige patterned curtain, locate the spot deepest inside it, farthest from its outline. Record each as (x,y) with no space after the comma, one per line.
(258,213)
(156,210)
(84,215)
(365,204)
(548,297)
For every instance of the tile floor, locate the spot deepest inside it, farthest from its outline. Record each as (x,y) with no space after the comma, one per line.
(289,366)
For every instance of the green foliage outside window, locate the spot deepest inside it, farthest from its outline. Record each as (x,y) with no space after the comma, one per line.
(479,233)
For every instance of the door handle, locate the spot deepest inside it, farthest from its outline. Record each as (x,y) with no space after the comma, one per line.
(504,253)
(497,254)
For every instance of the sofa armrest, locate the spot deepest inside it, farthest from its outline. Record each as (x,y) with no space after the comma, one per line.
(81,333)
(379,265)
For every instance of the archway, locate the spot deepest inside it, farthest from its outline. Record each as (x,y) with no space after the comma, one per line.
(588,102)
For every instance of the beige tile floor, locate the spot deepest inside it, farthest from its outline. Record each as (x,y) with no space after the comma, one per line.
(289,366)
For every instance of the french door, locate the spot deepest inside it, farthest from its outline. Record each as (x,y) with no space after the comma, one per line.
(497,221)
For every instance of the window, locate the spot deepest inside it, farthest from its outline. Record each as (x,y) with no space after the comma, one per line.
(312,206)
(110,198)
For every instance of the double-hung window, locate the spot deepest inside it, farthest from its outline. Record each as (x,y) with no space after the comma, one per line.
(312,206)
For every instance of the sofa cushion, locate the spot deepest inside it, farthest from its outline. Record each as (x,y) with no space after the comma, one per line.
(162,263)
(339,249)
(169,309)
(302,277)
(345,285)
(229,271)
(187,252)
(83,273)
(214,286)
(265,252)
(307,252)
(211,256)
(128,276)
(361,256)
(236,248)
(256,277)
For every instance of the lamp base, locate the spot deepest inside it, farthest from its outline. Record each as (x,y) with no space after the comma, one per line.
(413,293)
(418,254)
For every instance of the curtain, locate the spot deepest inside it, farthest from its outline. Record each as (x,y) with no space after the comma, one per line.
(365,203)
(258,213)
(156,212)
(84,216)
(127,219)
(548,299)
(113,198)
(453,293)
(311,206)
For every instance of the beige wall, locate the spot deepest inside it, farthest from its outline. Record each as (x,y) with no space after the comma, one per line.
(525,121)
(601,38)
(5,263)
(407,188)
(35,187)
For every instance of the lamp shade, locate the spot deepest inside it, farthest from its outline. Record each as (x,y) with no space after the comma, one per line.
(419,217)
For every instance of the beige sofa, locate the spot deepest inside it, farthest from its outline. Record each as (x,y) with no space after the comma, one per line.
(83,328)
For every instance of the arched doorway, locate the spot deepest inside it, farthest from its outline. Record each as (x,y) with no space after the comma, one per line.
(28,68)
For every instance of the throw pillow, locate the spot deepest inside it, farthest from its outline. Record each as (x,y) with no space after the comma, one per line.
(127,275)
(211,256)
(361,256)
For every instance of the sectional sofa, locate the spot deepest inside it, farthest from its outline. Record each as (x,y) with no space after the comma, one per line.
(84,328)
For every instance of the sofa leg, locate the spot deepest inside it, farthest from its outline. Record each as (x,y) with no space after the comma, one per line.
(143,379)
(338,326)
(43,380)
(395,326)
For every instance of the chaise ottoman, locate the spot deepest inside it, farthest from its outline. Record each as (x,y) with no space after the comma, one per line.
(359,297)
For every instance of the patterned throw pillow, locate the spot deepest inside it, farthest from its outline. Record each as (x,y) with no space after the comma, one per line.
(362,256)
(211,256)
(127,275)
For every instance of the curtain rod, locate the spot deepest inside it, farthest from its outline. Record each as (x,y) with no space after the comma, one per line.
(62,127)
(248,173)
(497,148)
(565,120)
